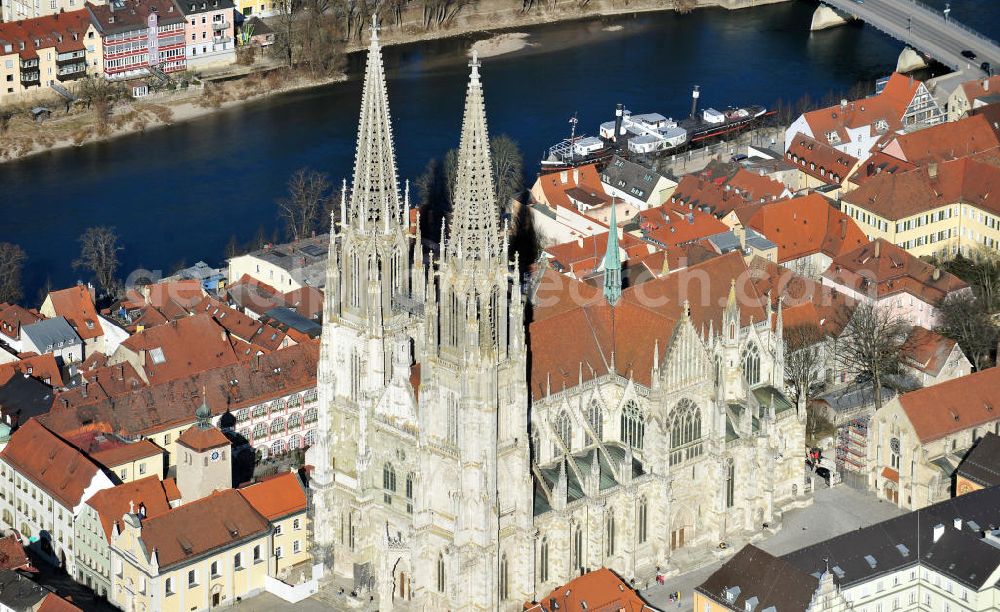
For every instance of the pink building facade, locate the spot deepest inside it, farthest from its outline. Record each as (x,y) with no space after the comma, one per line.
(209,33)
(140,37)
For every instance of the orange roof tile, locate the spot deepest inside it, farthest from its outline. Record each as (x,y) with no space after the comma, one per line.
(63,31)
(222,519)
(881,268)
(979,88)
(111,504)
(904,194)
(306,300)
(592,249)
(554,188)
(12,555)
(805,226)
(277,497)
(50,462)
(14,317)
(944,141)
(54,603)
(126,453)
(671,225)
(890,474)
(181,348)
(819,159)
(600,589)
(201,439)
(171,489)
(76,304)
(927,350)
(42,367)
(954,405)
(889,105)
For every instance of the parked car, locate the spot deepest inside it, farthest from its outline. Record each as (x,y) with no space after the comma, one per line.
(966,53)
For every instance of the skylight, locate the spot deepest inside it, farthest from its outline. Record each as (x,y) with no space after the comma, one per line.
(157,355)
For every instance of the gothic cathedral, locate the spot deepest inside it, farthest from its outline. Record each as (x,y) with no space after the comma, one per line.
(437,488)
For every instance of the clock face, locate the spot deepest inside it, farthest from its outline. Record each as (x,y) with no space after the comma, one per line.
(215,455)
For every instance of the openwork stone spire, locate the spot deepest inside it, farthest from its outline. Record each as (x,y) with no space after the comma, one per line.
(374,205)
(475,230)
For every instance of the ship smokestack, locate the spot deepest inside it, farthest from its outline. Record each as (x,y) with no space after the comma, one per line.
(618,120)
(694,101)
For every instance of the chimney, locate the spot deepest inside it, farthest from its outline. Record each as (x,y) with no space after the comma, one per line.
(843,104)
(694,100)
(843,228)
(958,523)
(936,275)
(938,531)
(986,84)
(563,176)
(878,248)
(576,176)
(932,170)
(618,121)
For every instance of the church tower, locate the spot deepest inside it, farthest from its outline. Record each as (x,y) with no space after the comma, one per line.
(366,350)
(474,398)
(204,460)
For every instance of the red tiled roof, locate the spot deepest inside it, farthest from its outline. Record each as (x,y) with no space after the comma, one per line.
(126,453)
(111,504)
(260,336)
(188,346)
(600,589)
(198,439)
(54,603)
(944,141)
(805,226)
(14,317)
(76,304)
(892,270)
(889,106)
(819,159)
(979,88)
(583,254)
(890,474)
(927,350)
(673,225)
(132,14)
(63,31)
(210,523)
(954,405)
(306,300)
(805,302)
(50,462)
(554,188)
(723,191)
(42,367)
(277,497)
(12,555)
(904,194)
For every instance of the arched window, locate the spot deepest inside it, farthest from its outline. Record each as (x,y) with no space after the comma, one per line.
(277,425)
(259,431)
(504,578)
(564,430)
(452,420)
(277,447)
(609,535)
(633,425)
(577,550)
(440,573)
(356,374)
(310,437)
(595,418)
(751,364)
(311,415)
(295,420)
(409,493)
(388,482)
(730,484)
(543,561)
(685,432)
(642,520)
(295,442)
(355,281)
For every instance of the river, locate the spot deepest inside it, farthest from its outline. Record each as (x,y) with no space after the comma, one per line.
(178,194)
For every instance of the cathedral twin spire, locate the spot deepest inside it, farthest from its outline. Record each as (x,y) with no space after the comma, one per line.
(374,201)
(475,231)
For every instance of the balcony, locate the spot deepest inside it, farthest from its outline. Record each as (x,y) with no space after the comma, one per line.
(220,40)
(31,78)
(68,58)
(32,63)
(220,25)
(72,72)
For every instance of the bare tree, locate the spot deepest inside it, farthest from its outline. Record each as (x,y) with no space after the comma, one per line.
(508,168)
(308,194)
(101,95)
(872,344)
(12,258)
(99,253)
(803,358)
(286,38)
(965,319)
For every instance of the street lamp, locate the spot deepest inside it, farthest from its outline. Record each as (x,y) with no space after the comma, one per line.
(947,10)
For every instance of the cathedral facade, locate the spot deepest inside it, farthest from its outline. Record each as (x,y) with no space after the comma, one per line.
(468,461)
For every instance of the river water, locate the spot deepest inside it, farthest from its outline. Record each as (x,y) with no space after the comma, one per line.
(179,193)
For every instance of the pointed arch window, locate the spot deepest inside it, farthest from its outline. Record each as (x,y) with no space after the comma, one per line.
(564,430)
(643,522)
(751,364)
(685,432)
(633,425)
(409,493)
(452,420)
(543,561)
(355,281)
(609,535)
(504,578)
(440,573)
(388,482)
(576,551)
(730,484)
(356,374)
(595,418)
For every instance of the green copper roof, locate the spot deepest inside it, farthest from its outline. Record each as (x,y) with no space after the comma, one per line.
(612,263)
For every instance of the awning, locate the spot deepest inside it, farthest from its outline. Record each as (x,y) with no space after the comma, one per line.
(890,474)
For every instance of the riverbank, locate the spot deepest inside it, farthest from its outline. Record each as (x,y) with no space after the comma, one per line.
(26,138)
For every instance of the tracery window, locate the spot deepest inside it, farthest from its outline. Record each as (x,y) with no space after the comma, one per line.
(388,482)
(595,418)
(504,578)
(685,432)
(609,535)
(440,574)
(564,430)
(452,420)
(751,364)
(543,562)
(633,425)
(642,520)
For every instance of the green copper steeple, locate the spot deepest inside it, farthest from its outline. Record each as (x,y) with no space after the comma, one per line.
(612,263)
